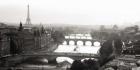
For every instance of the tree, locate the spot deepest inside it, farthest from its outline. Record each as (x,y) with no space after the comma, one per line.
(89,64)
(110,48)
(102,28)
(77,65)
(115,27)
(58,37)
(105,52)
(136,28)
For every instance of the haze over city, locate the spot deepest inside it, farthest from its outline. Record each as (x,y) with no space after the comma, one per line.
(84,12)
(69,35)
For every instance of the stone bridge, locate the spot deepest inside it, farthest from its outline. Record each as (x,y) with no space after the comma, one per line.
(80,39)
(53,56)
(89,42)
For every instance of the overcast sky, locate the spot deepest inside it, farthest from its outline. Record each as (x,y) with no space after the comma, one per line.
(71,11)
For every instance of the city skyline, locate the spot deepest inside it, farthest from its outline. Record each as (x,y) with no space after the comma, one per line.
(83,12)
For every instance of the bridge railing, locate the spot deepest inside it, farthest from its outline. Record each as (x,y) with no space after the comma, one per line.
(73,54)
(64,55)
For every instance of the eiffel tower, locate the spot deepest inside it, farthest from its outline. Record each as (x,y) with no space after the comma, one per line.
(28,20)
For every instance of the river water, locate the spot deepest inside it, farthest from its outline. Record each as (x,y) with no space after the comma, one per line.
(30,65)
(78,49)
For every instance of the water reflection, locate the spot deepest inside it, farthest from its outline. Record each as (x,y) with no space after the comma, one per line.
(78,49)
(63,59)
(36,60)
(39,63)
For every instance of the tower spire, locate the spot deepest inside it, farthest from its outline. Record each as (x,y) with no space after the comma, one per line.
(28,20)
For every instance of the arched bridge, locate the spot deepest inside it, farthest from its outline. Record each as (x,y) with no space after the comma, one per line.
(53,56)
(79,39)
(79,42)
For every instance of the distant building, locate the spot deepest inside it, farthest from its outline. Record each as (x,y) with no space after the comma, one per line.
(15,41)
(33,38)
(4,42)
(5,39)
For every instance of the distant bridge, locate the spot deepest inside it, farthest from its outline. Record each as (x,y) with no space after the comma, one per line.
(80,39)
(53,56)
(71,39)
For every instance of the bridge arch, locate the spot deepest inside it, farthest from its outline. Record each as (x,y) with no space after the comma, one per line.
(88,43)
(95,59)
(71,42)
(63,59)
(96,43)
(80,43)
(64,43)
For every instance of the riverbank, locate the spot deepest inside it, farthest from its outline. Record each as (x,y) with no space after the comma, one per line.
(13,60)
